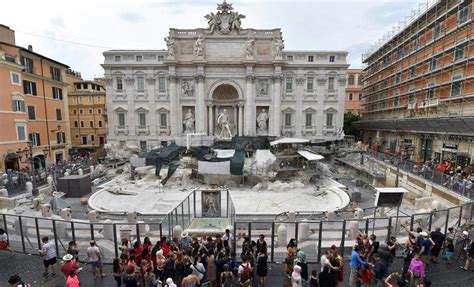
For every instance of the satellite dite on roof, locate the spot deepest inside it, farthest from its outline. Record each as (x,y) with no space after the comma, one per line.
(389,196)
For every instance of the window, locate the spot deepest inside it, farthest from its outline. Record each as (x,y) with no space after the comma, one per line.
(289,84)
(398,78)
(399,52)
(459,53)
(60,137)
(412,72)
(431,94)
(119,84)
(463,15)
(20,132)
(57,93)
(310,59)
(29,88)
(76,124)
(163,121)
(99,98)
(329,120)
(142,120)
(350,97)
(396,101)
(289,58)
(92,138)
(351,80)
(436,30)
(118,58)
(82,124)
(90,100)
(99,111)
(309,120)
(161,58)
(360,97)
(139,58)
(81,111)
(140,84)
(31,113)
(59,115)
(28,64)
(411,98)
(85,86)
(161,84)
(121,119)
(18,105)
(332,59)
(310,83)
(416,43)
(433,64)
(93,86)
(74,112)
(456,89)
(15,78)
(331,83)
(91,111)
(35,139)
(97,88)
(78,86)
(91,124)
(55,74)
(100,124)
(84,140)
(360,81)
(143,145)
(287,120)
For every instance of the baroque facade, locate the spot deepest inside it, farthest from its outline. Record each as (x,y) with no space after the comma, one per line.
(220,82)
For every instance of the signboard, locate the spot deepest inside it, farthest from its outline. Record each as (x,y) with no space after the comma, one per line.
(389,197)
(211,203)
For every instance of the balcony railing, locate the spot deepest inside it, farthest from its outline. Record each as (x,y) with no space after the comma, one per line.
(311,130)
(288,130)
(142,130)
(163,130)
(121,130)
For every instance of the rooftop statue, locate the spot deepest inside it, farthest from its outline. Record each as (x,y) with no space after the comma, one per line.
(225,20)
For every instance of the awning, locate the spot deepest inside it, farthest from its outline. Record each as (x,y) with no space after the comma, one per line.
(289,141)
(264,157)
(309,155)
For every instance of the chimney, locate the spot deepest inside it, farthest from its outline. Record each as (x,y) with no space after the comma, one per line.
(30,48)
(7,35)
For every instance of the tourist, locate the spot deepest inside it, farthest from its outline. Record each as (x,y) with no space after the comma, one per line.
(198,268)
(227,277)
(68,264)
(469,257)
(392,245)
(425,247)
(72,280)
(15,281)
(355,263)
(185,243)
(373,247)
(211,269)
(190,280)
(313,279)
(261,243)
(301,261)
(380,270)
(131,279)
(4,242)
(296,280)
(160,265)
(365,275)
(169,266)
(291,256)
(95,259)
(48,251)
(399,282)
(147,244)
(149,278)
(220,262)
(179,267)
(438,238)
(125,250)
(262,267)
(245,272)
(170,283)
(233,261)
(138,250)
(336,260)
(117,269)
(449,250)
(73,249)
(417,270)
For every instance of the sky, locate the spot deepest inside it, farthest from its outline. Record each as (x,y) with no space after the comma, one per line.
(77,32)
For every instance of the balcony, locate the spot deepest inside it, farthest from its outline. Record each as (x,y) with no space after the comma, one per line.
(163,130)
(329,130)
(142,130)
(288,131)
(120,95)
(308,130)
(141,95)
(330,97)
(121,130)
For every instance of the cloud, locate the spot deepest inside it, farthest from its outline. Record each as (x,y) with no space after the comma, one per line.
(57,22)
(131,17)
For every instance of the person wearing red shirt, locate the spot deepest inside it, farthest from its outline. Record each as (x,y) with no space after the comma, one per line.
(365,275)
(137,250)
(68,265)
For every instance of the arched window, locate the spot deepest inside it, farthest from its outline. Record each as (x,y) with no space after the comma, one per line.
(351,80)
(361,80)
(350,97)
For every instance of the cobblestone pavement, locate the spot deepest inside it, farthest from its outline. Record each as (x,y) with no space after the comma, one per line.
(30,268)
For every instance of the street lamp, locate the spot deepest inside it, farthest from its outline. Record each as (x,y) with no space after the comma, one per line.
(27,154)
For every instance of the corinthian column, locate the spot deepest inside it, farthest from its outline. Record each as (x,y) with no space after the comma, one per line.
(201,106)
(173,106)
(249,107)
(277,105)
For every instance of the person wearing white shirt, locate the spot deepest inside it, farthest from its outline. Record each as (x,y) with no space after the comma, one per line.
(93,253)
(48,251)
(229,238)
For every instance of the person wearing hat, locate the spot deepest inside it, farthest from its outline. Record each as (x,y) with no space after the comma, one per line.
(469,257)
(185,242)
(425,250)
(68,264)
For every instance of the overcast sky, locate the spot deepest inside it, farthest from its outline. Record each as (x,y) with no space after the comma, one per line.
(84,29)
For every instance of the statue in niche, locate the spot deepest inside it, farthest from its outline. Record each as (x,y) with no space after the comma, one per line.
(262,119)
(188,122)
(224,125)
(188,89)
(262,88)
(170,44)
(199,47)
(250,47)
(279,46)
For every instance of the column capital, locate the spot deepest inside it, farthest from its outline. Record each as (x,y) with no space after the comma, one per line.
(277,78)
(250,77)
(200,77)
(108,81)
(172,78)
(129,81)
(150,80)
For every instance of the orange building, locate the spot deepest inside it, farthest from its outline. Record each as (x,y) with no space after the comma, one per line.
(33,105)
(354,88)
(418,92)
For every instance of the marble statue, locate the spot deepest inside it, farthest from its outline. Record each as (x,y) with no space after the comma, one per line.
(199,47)
(213,21)
(188,89)
(170,43)
(279,46)
(262,119)
(225,20)
(250,47)
(235,22)
(224,124)
(188,122)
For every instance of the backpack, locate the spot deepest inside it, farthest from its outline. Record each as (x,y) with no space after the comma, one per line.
(245,276)
(417,246)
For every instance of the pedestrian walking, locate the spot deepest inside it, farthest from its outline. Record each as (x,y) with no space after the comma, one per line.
(48,251)
(4,245)
(95,259)
(68,264)
(262,268)
(117,268)
(72,280)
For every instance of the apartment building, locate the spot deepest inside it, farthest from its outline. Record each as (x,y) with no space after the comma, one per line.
(87,114)
(354,86)
(33,105)
(419,93)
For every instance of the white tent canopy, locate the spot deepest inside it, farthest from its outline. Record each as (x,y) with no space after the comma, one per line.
(289,141)
(225,153)
(264,158)
(309,155)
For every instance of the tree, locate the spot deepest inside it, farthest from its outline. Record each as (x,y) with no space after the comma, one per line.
(350,129)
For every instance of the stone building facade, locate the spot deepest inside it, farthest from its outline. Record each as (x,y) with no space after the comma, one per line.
(353,104)
(220,82)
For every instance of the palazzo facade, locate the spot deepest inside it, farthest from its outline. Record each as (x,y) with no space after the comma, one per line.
(220,82)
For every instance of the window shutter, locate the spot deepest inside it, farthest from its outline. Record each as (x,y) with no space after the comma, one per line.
(25,87)
(30,137)
(38,136)
(34,88)
(14,106)
(60,94)
(52,72)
